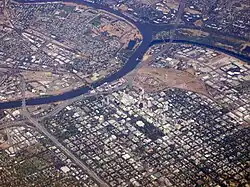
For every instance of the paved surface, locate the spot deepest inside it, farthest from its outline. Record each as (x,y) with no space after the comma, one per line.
(42,129)
(64,149)
(69,102)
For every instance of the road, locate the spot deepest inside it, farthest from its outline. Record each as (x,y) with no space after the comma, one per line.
(43,130)
(14,124)
(64,149)
(69,102)
(147,31)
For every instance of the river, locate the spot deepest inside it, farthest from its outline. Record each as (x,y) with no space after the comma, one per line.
(146,31)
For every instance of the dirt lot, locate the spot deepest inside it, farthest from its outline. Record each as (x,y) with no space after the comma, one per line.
(4,146)
(156,79)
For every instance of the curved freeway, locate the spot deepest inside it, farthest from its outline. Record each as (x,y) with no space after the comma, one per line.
(146,30)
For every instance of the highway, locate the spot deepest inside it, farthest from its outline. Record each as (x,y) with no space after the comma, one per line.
(14,124)
(147,31)
(64,149)
(69,102)
(43,130)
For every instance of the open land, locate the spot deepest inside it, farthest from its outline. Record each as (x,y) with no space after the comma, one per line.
(180,118)
(60,50)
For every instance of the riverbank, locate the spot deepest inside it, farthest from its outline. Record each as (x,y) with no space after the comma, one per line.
(146,32)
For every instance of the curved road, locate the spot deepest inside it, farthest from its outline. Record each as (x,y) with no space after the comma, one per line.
(147,31)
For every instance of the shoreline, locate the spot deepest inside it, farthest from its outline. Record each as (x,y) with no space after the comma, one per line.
(146,32)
